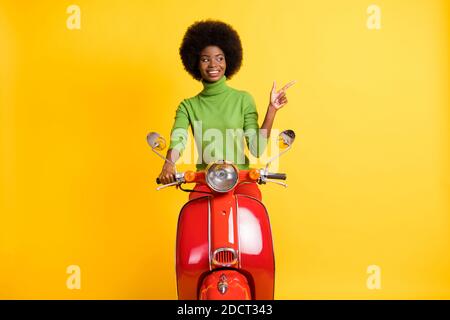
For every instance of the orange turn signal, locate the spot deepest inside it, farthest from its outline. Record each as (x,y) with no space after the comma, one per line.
(253,174)
(189,176)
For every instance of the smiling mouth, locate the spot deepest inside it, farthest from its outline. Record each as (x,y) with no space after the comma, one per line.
(213,73)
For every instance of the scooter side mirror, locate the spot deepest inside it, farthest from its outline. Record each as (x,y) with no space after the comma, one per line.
(156,141)
(286,139)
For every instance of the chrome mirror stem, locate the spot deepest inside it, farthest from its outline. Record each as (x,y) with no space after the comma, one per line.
(275,157)
(165,159)
(162,157)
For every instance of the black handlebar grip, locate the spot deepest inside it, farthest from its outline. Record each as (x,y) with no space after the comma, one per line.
(158,181)
(279,176)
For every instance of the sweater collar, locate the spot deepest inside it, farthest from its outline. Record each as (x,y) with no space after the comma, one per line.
(214,88)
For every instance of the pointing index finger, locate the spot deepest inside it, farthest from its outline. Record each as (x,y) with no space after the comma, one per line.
(290,84)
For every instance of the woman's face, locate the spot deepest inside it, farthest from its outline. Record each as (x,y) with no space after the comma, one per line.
(212,63)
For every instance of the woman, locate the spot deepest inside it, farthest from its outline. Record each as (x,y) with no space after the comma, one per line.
(211,52)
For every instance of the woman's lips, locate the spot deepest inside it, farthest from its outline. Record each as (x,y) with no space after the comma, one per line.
(213,73)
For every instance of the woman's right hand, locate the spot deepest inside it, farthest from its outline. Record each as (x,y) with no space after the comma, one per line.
(167,174)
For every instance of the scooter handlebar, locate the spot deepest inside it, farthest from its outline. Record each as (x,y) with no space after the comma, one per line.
(270,175)
(278,176)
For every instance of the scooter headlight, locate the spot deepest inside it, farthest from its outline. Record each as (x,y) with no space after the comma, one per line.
(222,176)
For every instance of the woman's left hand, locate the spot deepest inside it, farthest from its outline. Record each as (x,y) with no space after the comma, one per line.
(278,98)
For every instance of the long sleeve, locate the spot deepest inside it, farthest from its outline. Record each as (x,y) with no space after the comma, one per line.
(179,133)
(256,142)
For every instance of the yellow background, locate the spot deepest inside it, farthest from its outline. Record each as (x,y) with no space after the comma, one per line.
(368,174)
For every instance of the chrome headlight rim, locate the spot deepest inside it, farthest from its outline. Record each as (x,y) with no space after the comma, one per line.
(221,162)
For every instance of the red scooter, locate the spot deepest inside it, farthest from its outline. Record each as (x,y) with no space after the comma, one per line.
(224,247)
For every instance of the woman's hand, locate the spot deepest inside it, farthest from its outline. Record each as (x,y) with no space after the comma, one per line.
(278,98)
(277,101)
(167,174)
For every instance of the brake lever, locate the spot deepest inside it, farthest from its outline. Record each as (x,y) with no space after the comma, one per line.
(277,182)
(168,185)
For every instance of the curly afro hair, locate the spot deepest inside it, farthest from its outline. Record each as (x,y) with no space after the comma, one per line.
(211,33)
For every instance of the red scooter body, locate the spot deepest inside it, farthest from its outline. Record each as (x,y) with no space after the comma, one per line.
(225,236)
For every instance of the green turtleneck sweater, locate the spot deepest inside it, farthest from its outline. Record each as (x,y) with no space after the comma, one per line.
(221,118)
